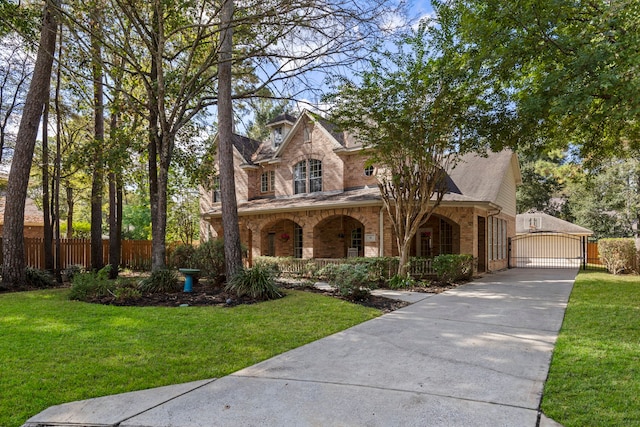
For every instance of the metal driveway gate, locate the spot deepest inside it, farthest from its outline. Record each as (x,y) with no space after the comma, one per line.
(548,250)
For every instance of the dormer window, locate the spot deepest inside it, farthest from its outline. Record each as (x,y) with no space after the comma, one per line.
(278,136)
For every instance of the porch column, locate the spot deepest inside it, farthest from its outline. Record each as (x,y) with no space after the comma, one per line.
(307,241)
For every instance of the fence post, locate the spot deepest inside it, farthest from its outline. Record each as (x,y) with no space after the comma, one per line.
(584,253)
(508,252)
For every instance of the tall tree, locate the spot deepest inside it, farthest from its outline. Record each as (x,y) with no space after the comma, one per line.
(232,249)
(97,183)
(13,271)
(410,112)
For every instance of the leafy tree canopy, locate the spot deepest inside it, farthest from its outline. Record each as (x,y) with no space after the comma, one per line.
(569,68)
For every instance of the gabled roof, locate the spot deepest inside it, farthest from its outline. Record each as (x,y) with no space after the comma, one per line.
(329,127)
(480,177)
(266,151)
(545,223)
(247,147)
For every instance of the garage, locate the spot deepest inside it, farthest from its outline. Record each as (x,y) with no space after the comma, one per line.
(544,241)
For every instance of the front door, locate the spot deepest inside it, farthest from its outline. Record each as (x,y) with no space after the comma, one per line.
(424,242)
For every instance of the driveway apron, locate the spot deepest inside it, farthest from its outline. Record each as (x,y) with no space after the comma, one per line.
(477,355)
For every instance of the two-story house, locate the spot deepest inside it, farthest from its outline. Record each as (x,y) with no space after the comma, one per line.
(307,192)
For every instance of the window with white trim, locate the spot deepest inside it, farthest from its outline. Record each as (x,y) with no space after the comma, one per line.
(311,181)
(356,239)
(216,189)
(278,136)
(300,178)
(315,175)
(297,241)
(267,181)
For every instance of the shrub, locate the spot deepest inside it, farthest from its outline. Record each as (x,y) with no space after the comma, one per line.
(72,270)
(452,268)
(87,286)
(160,281)
(350,280)
(618,255)
(257,282)
(39,278)
(183,256)
(125,292)
(378,268)
(209,259)
(400,282)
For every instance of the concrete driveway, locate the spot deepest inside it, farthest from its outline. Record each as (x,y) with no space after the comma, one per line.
(476,356)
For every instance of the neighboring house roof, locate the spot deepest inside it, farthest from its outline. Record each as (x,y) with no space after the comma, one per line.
(33,216)
(539,222)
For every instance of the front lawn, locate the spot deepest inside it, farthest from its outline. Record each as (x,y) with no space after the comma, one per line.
(594,379)
(53,350)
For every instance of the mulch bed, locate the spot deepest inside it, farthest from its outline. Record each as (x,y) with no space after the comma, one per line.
(205,294)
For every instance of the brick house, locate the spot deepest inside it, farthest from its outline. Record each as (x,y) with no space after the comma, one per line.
(308,193)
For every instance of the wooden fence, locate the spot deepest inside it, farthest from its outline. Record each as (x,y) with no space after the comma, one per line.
(135,254)
(593,256)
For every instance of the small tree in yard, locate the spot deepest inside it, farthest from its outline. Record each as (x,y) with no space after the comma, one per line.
(409,112)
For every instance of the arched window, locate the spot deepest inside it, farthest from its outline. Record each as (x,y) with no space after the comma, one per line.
(314,176)
(300,178)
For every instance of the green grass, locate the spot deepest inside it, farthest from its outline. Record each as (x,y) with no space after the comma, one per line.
(53,350)
(594,379)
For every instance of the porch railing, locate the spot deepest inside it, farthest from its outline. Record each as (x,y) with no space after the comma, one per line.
(419,268)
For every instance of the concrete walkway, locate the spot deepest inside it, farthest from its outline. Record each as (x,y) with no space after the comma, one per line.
(476,356)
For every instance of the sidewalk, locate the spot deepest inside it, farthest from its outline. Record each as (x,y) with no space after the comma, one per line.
(477,355)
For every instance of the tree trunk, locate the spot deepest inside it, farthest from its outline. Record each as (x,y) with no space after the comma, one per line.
(155,149)
(405,250)
(115,211)
(97,261)
(55,185)
(46,195)
(13,272)
(69,212)
(232,248)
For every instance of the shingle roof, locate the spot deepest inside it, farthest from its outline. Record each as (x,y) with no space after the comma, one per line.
(547,223)
(286,117)
(480,177)
(246,146)
(475,179)
(331,128)
(365,196)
